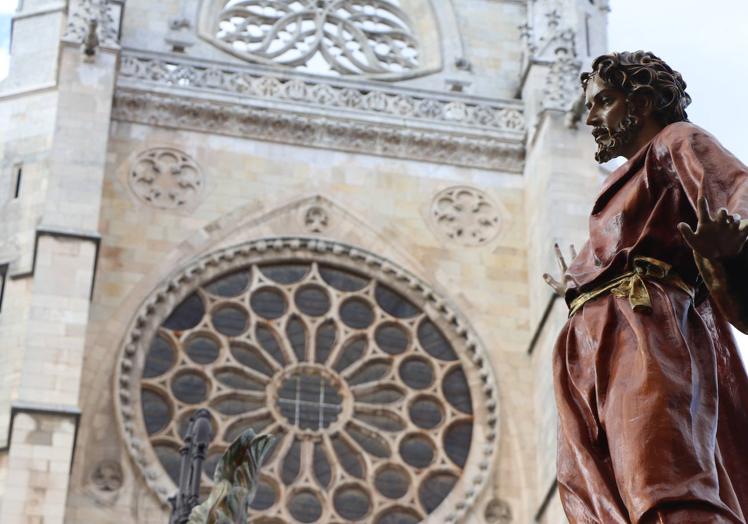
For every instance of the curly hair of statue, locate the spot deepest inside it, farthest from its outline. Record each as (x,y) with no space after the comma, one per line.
(642,73)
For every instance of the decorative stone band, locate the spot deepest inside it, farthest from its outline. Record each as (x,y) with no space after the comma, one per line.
(285,106)
(327,132)
(183,282)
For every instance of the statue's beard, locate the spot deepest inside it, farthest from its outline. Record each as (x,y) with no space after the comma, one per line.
(620,137)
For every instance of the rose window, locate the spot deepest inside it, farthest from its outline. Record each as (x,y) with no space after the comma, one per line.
(372,37)
(359,379)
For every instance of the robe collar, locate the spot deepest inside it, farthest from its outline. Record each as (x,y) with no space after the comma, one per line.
(621,175)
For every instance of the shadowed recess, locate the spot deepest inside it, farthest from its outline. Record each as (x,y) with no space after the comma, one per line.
(251,357)
(291,463)
(296,336)
(305,506)
(161,357)
(342,280)
(348,457)
(321,465)
(268,340)
(230,320)
(352,351)
(324,341)
(417,450)
(268,302)
(435,488)
(202,349)
(156,411)
(285,273)
(394,303)
(392,481)
(312,300)
(434,342)
(238,379)
(457,442)
(457,391)
(369,441)
(169,457)
(265,496)
(232,285)
(187,314)
(351,502)
(356,313)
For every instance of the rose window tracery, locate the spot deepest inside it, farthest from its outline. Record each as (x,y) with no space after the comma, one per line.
(359,380)
(346,37)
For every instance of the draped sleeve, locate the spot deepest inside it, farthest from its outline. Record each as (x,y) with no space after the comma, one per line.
(705,168)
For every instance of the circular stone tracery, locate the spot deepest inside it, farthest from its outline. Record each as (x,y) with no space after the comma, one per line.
(363,388)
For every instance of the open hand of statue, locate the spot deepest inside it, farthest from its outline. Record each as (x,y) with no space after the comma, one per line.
(559,287)
(716,237)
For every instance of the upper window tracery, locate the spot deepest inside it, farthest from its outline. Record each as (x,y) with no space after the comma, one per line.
(334,37)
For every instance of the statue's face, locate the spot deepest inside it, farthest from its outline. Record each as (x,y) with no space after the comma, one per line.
(613,125)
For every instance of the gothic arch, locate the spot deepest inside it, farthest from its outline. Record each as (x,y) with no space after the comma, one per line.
(229,247)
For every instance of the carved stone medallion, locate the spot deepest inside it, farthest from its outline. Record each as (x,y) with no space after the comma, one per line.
(166,178)
(465,215)
(105,482)
(498,512)
(316,219)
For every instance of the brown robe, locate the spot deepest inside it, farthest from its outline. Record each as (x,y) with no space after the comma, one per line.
(653,406)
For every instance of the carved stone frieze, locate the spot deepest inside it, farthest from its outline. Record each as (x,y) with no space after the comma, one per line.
(549,38)
(166,178)
(482,150)
(562,83)
(465,215)
(106,14)
(362,99)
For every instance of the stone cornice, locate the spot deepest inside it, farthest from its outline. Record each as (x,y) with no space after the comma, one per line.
(288,107)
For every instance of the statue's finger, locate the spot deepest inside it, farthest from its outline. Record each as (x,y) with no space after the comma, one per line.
(560,258)
(703,212)
(573,251)
(722,216)
(688,234)
(552,282)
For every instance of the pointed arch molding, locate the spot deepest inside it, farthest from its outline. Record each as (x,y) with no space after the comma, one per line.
(155,309)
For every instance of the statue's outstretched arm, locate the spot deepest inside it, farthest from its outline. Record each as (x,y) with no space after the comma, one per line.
(720,247)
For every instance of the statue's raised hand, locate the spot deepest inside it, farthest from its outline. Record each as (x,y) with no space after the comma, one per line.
(559,286)
(717,237)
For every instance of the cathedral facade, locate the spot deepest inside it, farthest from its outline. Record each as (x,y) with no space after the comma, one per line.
(320,219)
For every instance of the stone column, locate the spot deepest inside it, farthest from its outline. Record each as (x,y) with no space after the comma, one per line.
(44,411)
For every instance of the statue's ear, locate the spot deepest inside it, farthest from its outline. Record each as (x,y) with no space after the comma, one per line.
(642,104)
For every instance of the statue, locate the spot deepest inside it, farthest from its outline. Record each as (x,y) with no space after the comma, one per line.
(652,396)
(235,477)
(235,482)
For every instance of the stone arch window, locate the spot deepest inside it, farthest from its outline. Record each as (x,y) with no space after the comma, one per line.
(377,392)
(383,39)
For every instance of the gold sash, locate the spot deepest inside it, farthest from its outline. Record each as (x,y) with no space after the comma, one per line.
(633,285)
